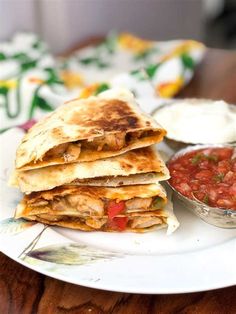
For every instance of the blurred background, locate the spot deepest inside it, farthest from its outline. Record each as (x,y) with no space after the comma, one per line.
(64,23)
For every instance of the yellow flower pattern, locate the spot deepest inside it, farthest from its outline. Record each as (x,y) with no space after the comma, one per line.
(72,79)
(36,80)
(8,83)
(184,47)
(169,89)
(130,42)
(89,90)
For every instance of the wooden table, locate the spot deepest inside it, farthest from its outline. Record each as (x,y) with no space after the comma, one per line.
(24,291)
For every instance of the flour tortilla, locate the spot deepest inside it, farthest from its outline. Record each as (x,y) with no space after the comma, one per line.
(140,166)
(83,123)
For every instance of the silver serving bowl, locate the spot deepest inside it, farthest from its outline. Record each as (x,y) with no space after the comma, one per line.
(219,217)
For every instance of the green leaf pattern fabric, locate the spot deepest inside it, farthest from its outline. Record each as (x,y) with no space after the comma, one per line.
(33,82)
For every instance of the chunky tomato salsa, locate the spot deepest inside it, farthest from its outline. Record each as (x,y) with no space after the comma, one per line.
(208,175)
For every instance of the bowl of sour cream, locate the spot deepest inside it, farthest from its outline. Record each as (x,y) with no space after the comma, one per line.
(197,121)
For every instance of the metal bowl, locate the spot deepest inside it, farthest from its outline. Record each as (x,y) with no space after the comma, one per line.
(219,217)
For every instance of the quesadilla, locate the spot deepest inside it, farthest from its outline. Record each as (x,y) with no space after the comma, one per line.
(131,208)
(88,129)
(140,166)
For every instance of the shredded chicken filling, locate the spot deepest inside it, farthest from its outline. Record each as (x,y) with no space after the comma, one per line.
(111,142)
(89,206)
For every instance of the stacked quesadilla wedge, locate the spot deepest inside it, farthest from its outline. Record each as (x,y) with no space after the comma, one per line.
(89,166)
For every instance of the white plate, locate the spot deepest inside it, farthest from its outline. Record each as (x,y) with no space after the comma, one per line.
(196,257)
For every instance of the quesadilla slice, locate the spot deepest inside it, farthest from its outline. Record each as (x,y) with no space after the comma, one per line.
(130,208)
(88,129)
(139,166)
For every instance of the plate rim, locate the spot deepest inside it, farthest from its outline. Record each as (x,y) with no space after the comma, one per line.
(111,287)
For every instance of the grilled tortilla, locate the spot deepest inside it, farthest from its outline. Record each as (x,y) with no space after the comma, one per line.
(86,130)
(131,208)
(140,166)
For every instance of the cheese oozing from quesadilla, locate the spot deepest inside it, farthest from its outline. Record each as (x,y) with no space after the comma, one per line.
(88,129)
(140,166)
(130,208)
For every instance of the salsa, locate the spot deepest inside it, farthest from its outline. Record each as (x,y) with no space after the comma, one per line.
(208,175)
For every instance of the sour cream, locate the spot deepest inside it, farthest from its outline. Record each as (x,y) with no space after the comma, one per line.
(198,121)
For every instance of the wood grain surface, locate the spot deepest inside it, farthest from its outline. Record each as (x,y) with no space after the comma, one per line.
(24,291)
(215,77)
(94,302)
